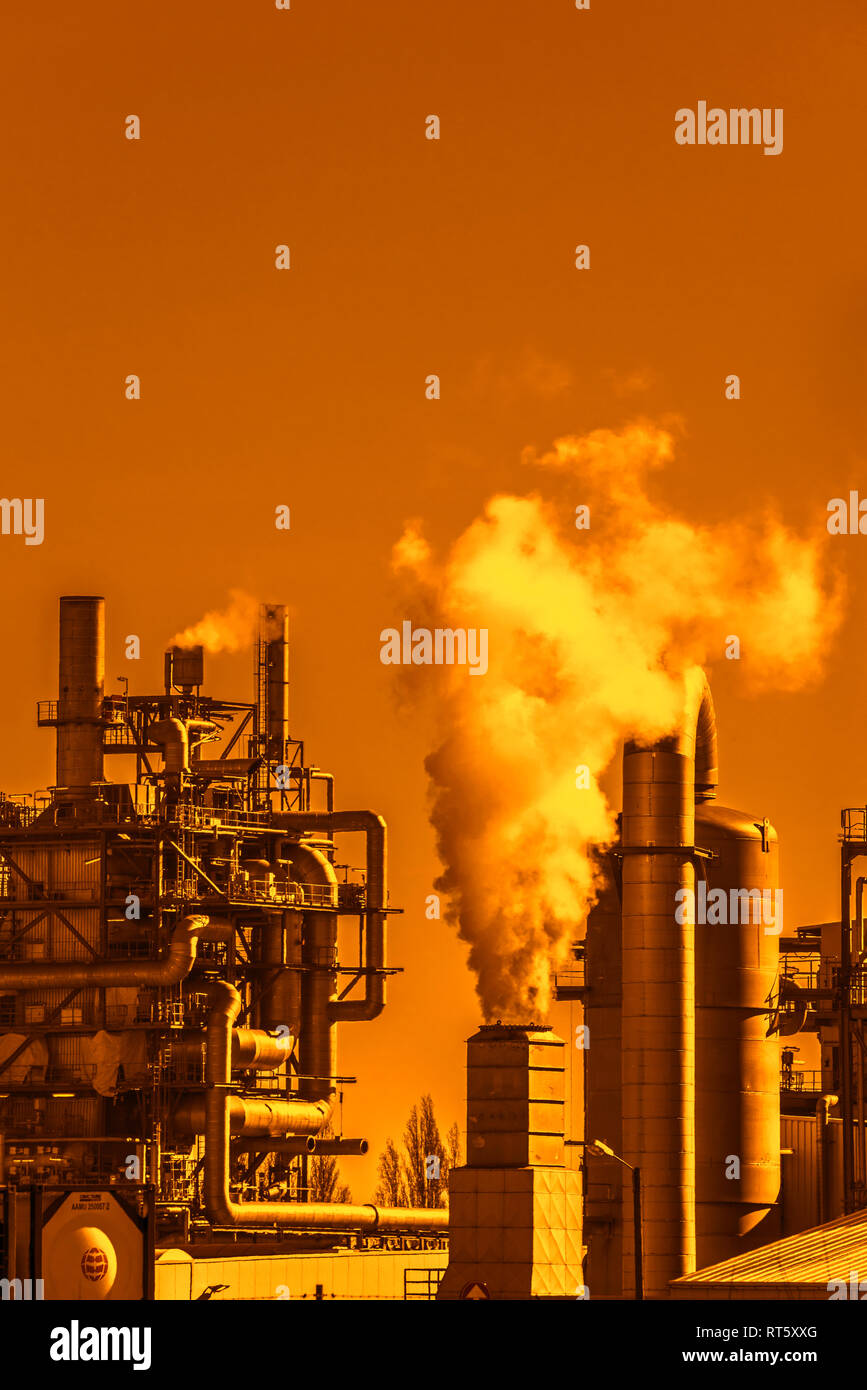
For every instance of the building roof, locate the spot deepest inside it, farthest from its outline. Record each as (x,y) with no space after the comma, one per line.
(799,1266)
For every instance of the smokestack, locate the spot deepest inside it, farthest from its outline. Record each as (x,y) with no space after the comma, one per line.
(515,1209)
(661,785)
(184,668)
(80,694)
(275,717)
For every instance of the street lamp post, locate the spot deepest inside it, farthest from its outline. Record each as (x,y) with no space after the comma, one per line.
(601,1150)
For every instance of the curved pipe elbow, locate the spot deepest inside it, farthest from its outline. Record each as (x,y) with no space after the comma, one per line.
(218,1104)
(701,717)
(374,827)
(360,1010)
(170,735)
(169,969)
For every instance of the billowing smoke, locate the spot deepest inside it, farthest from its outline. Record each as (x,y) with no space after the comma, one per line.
(590,634)
(223,630)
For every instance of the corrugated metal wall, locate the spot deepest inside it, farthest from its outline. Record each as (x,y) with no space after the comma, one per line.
(350,1275)
(65,872)
(800,1172)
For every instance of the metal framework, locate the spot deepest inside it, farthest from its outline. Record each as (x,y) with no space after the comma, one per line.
(221,817)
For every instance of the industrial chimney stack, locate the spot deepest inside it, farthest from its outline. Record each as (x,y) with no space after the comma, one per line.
(515,1209)
(80,695)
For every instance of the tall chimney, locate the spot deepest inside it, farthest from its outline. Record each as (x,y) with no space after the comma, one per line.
(515,1209)
(275,633)
(661,785)
(80,693)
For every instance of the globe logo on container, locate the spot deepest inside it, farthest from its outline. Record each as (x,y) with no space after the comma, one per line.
(94,1265)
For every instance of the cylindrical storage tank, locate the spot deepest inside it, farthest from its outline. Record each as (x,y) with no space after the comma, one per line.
(737,1066)
(80,694)
(603,1176)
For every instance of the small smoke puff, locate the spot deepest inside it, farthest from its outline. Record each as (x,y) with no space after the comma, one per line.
(223,630)
(608,454)
(590,643)
(411,551)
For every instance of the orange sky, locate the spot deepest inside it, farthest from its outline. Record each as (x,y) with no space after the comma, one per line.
(410,257)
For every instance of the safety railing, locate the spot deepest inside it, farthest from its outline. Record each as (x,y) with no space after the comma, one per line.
(568,982)
(802,970)
(421,1283)
(799,1079)
(204,817)
(14,815)
(853,823)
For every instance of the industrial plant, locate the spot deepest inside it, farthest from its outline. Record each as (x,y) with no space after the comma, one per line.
(179,951)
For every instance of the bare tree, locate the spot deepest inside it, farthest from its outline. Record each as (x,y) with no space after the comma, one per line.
(391,1191)
(453,1147)
(418,1177)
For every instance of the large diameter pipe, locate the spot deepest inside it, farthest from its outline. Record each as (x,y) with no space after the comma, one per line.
(248,1116)
(660,787)
(81,683)
(168,969)
(252,1049)
(372,1004)
(221,1210)
(172,737)
(318,1041)
(280,1004)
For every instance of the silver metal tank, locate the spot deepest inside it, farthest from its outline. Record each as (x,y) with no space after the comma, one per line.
(737,1094)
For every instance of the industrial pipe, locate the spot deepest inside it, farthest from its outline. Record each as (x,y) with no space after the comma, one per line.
(252,1049)
(373,1003)
(309,1113)
(318,1042)
(823,1115)
(167,969)
(309,1145)
(349,1147)
(173,737)
(272,1119)
(292,1147)
(661,785)
(280,950)
(219,1207)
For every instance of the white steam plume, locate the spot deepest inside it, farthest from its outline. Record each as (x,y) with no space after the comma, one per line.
(590,634)
(223,630)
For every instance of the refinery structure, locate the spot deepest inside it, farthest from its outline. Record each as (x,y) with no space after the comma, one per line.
(179,952)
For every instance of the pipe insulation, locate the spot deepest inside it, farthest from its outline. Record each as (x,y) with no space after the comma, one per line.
(221,1210)
(374,828)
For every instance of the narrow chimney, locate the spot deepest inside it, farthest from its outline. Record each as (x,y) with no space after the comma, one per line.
(275,634)
(80,695)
